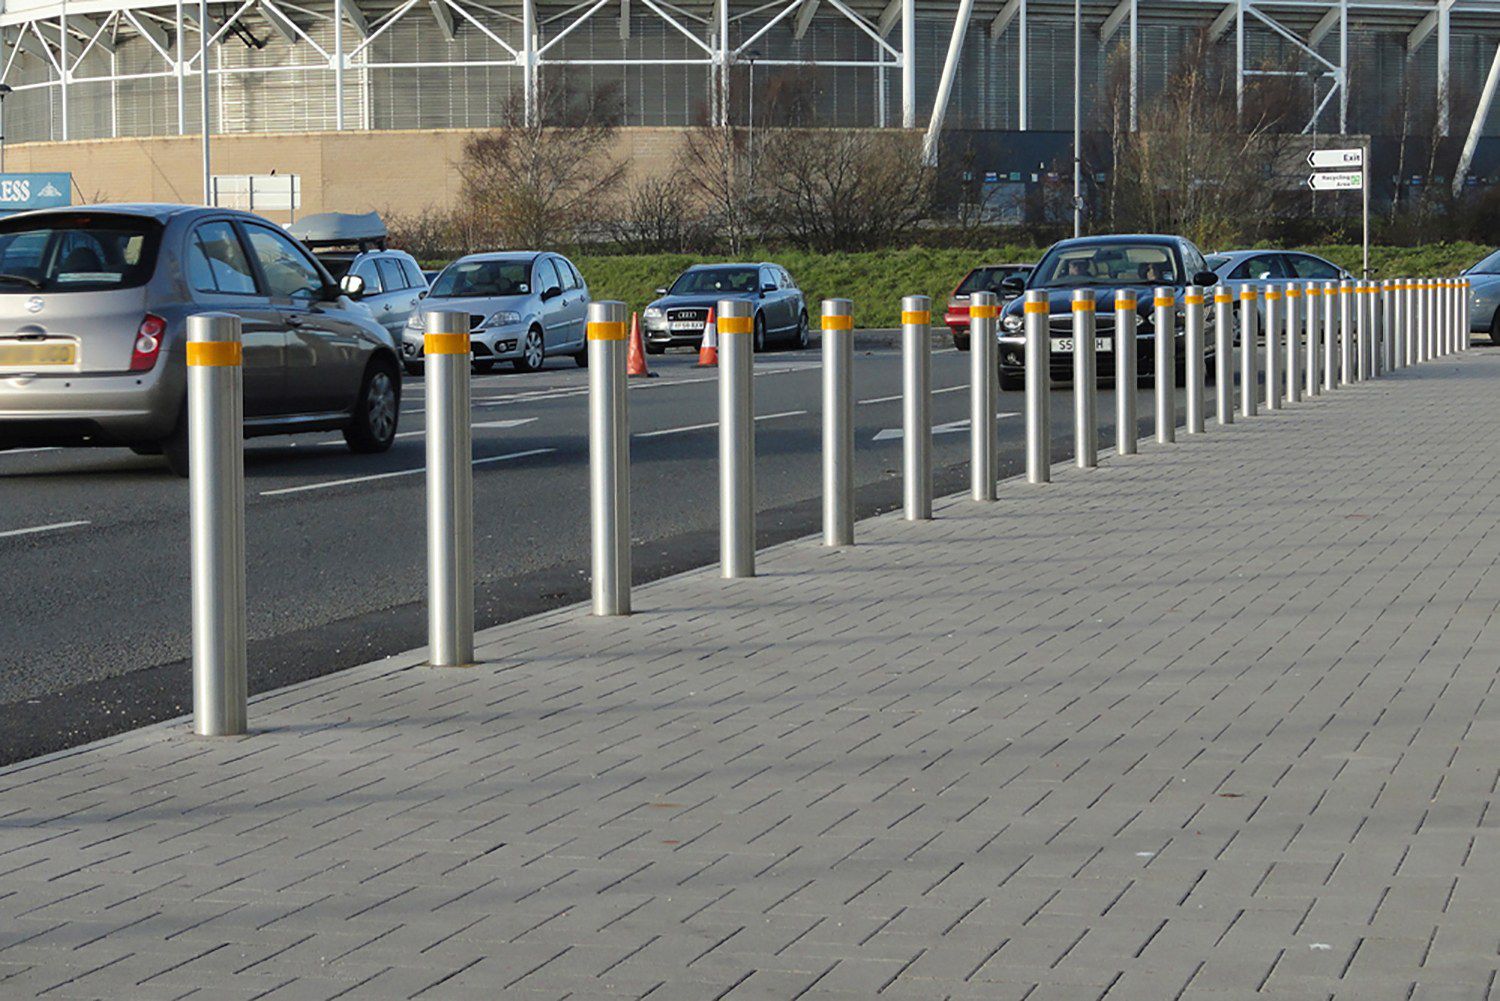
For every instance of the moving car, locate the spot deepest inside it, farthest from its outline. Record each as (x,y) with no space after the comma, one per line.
(348,244)
(93,315)
(1106,264)
(523,306)
(985,278)
(1266,267)
(677,317)
(1484,297)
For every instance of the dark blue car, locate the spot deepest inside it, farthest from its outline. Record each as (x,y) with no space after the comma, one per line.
(676,318)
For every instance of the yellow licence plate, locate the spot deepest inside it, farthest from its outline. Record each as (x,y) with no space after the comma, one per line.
(17,355)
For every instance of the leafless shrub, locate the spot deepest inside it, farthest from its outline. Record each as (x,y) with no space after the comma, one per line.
(657,217)
(714,165)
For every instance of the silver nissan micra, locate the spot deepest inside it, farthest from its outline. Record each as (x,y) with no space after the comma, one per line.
(93,313)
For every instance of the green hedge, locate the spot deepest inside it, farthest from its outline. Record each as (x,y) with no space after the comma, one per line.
(877,280)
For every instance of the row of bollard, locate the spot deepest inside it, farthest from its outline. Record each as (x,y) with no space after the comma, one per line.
(1347,332)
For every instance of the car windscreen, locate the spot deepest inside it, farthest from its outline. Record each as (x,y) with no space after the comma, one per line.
(1489,266)
(77,252)
(482,278)
(1216,261)
(1106,264)
(708,280)
(337,264)
(985,280)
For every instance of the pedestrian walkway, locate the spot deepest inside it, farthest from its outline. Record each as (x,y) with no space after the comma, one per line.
(1213,721)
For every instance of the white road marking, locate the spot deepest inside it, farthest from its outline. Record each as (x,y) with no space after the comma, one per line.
(56,526)
(952,427)
(712,424)
(26,451)
(511,422)
(395,473)
(888,399)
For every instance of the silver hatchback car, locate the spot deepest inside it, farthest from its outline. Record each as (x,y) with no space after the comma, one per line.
(523,306)
(93,312)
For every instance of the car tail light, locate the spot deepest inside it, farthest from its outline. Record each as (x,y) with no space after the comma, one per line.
(148,339)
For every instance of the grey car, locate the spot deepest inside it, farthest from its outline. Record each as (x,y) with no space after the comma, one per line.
(1484,297)
(93,312)
(523,307)
(677,318)
(355,244)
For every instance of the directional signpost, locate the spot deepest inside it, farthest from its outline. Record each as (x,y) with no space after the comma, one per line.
(1343,170)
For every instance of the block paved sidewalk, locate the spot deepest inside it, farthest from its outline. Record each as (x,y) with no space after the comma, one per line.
(1214,721)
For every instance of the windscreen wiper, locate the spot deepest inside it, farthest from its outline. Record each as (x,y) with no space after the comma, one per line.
(33,282)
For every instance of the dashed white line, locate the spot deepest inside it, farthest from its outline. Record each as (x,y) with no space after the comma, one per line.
(325,484)
(888,399)
(712,424)
(35,529)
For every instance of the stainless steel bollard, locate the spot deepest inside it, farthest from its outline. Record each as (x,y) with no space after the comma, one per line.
(1346,332)
(450,490)
(1398,319)
(1409,324)
(1331,299)
(1126,319)
(1038,389)
(984,394)
(1085,381)
(1192,321)
(1363,312)
(1429,319)
(1273,347)
(916,407)
(1249,362)
(216,492)
(1311,383)
(1450,317)
(838,422)
(1224,354)
(1466,330)
(1293,343)
(609,459)
(736,438)
(1387,326)
(1164,378)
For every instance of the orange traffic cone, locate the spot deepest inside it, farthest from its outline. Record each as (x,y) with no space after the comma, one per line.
(708,351)
(635,357)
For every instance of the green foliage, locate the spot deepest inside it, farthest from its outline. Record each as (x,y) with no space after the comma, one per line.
(877,280)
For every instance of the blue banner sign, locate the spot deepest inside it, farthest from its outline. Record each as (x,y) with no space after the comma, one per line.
(20,192)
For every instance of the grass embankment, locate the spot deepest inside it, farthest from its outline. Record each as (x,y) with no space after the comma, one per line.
(877,280)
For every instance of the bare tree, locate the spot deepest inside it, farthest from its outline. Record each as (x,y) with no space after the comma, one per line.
(656,218)
(714,164)
(544,182)
(842,189)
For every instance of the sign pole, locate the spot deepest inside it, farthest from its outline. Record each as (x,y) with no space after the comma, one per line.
(1364,190)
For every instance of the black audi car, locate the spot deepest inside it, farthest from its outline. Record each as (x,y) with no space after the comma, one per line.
(677,317)
(1106,264)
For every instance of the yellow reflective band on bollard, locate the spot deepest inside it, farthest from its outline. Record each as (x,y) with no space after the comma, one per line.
(1314,290)
(1030,307)
(1273,294)
(836,322)
(1124,304)
(1082,305)
(445,344)
(918,319)
(990,312)
(1165,300)
(607,330)
(1292,293)
(1193,300)
(1223,297)
(213,354)
(1247,296)
(736,324)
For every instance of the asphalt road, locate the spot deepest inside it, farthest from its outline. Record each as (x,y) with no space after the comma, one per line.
(94,543)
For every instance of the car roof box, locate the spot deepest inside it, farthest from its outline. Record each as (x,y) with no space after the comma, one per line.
(341,229)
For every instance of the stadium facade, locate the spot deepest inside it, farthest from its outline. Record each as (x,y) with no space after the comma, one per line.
(100,70)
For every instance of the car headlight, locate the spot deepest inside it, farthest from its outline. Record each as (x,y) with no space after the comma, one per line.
(503,318)
(653,313)
(1010,323)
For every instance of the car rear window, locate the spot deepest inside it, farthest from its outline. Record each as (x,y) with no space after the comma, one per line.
(77,251)
(983,280)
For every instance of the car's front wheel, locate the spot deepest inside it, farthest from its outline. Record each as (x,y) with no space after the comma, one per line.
(373,426)
(581,359)
(760,333)
(532,352)
(1012,381)
(412,367)
(960,341)
(804,338)
(1495,328)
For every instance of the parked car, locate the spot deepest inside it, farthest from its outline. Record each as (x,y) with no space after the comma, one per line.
(1484,297)
(348,244)
(1267,267)
(93,314)
(985,278)
(523,306)
(677,317)
(1106,264)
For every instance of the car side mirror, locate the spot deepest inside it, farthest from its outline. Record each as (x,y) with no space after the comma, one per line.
(353,286)
(551,292)
(1205,278)
(767,289)
(1013,285)
(661,291)
(423,294)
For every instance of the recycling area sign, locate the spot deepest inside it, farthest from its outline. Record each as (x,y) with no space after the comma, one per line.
(21,192)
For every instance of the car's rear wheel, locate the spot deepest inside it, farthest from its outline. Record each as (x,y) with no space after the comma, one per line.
(960,342)
(373,426)
(174,447)
(532,352)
